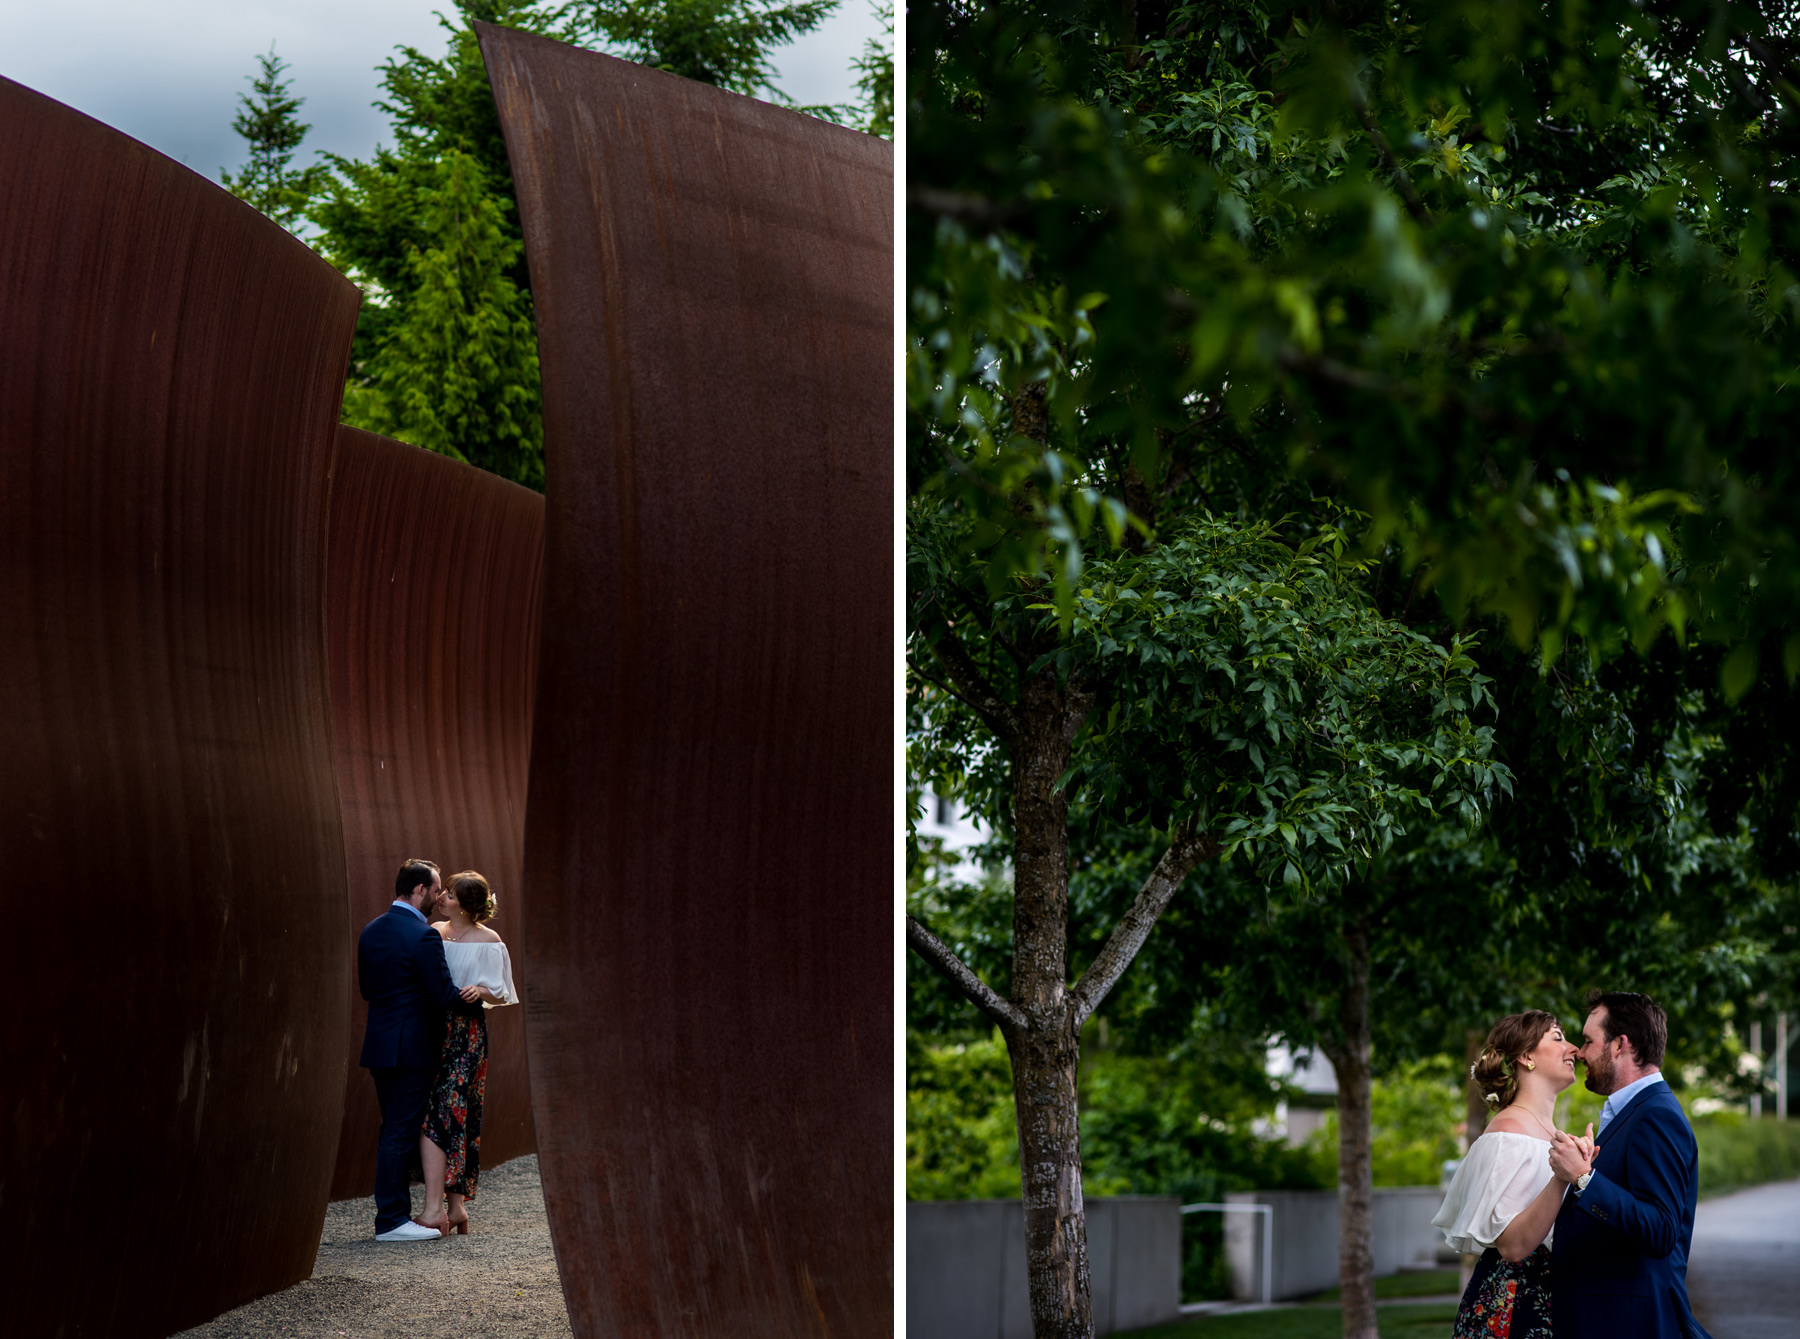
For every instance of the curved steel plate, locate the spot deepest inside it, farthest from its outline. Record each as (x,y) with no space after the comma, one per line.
(170,370)
(436,583)
(709,843)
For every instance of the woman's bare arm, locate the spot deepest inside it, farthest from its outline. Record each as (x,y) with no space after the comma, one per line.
(1527,1231)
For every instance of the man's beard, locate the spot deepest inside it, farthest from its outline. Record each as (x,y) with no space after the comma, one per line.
(1600,1076)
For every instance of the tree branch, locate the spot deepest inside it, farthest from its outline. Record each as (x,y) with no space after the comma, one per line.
(1396,173)
(1187,848)
(980,211)
(936,952)
(985,617)
(973,688)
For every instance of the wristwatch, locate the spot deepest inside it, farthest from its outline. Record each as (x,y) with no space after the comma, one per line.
(1582,1180)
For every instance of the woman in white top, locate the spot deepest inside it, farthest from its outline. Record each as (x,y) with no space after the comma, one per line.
(1503,1203)
(450,1145)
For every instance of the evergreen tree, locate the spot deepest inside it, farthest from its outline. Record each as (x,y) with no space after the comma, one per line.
(269,122)
(445,353)
(719,42)
(457,370)
(875,79)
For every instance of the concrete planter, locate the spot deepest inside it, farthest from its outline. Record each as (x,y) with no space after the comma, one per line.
(965,1266)
(1305,1237)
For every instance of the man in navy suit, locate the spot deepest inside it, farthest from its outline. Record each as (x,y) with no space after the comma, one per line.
(401,972)
(1619,1266)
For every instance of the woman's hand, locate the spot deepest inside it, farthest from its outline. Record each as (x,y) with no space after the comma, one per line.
(1571,1156)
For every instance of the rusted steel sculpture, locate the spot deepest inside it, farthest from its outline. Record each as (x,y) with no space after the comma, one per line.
(709,846)
(436,577)
(170,370)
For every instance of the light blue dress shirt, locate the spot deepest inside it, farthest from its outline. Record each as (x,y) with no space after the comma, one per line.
(402,902)
(1616,1103)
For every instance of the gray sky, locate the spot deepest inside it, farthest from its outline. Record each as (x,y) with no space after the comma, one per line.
(169,73)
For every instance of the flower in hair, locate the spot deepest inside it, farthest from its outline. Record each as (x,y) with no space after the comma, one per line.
(1494,1098)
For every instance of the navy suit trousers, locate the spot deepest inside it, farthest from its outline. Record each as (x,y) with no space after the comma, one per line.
(403,1093)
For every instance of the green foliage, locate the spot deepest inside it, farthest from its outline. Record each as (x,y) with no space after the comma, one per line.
(1248,686)
(457,372)
(446,351)
(875,77)
(270,124)
(1253,685)
(720,42)
(1736,1152)
(1417,1112)
(1522,284)
(961,1141)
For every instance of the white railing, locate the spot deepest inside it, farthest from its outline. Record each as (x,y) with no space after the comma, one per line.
(1268,1235)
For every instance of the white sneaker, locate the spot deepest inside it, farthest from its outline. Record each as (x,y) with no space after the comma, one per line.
(409,1231)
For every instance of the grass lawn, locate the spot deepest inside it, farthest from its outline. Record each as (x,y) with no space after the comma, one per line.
(1309,1322)
(1412,1283)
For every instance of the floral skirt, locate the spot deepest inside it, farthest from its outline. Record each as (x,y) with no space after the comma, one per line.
(453,1115)
(1506,1300)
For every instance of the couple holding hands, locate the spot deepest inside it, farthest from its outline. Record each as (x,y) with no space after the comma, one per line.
(430,968)
(1618,1200)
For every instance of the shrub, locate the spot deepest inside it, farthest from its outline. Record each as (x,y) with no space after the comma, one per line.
(1736,1152)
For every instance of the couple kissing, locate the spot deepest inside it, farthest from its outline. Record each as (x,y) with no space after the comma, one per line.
(1618,1201)
(430,968)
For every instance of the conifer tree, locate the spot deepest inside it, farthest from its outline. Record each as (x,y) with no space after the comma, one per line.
(720,42)
(269,122)
(457,371)
(446,351)
(875,79)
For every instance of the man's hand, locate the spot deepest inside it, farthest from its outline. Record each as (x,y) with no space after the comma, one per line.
(1572,1156)
(471,994)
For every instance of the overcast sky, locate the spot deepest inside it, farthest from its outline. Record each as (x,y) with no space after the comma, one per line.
(169,72)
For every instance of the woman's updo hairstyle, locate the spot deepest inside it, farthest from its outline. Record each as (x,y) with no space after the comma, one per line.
(473,895)
(1493,1072)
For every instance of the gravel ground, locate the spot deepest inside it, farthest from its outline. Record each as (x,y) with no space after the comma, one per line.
(499,1282)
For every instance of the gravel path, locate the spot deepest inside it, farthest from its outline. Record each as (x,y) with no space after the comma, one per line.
(1744,1274)
(499,1282)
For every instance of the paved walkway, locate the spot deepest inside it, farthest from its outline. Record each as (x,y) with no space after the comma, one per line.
(1744,1277)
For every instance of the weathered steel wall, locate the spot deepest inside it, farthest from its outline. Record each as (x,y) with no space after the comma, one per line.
(171,1066)
(709,847)
(436,579)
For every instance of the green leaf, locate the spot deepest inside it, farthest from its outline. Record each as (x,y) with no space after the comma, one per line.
(1738,673)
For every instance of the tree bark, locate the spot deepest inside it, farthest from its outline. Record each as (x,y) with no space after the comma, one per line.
(1042,1021)
(1356,1180)
(1475,1112)
(1046,1050)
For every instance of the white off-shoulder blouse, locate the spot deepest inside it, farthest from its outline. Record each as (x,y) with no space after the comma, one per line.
(483,964)
(1501,1174)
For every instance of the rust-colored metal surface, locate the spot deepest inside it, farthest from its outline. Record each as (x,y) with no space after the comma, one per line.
(172,1069)
(436,583)
(709,847)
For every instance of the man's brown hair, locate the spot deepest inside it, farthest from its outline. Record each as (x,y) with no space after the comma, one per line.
(1637,1017)
(411,875)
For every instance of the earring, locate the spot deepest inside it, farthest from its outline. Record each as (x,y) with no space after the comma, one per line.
(1529,1065)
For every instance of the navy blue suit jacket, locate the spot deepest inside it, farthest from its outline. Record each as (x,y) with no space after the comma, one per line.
(1619,1262)
(401,972)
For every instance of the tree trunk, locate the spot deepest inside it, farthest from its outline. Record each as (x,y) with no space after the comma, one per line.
(1045,1051)
(1056,1263)
(1475,1111)
(1356,1206)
